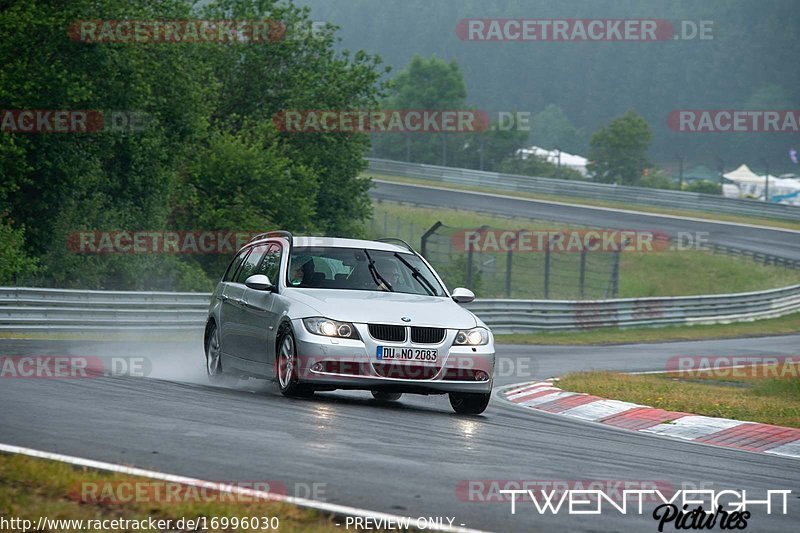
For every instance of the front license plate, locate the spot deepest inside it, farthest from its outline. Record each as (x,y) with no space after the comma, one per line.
(387,353)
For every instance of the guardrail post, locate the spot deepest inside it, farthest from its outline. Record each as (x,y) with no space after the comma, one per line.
(469,264)
(547,269)
(509,260)
(423,241)
(582,282)
(615,275)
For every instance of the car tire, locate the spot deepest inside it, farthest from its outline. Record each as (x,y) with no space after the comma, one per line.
(386,396)
(214,359)
(465,403)
(286,366)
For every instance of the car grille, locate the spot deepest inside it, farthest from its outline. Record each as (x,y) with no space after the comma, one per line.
(422,335)
(403,371)
(386,332)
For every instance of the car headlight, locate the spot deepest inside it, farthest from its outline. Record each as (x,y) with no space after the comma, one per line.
(472,337)
(330,328)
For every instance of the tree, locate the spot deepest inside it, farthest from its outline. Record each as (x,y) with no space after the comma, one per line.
(552,129)
(426,84)
(618,152)
(209,157)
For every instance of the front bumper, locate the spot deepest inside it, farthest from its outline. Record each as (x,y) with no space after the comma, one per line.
(333,363)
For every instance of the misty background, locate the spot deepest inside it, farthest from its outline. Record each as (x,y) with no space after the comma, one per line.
(751,63)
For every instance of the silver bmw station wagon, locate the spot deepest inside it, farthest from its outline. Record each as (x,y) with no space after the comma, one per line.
(320,314)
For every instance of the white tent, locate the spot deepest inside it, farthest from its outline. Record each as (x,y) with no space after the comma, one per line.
(751,185)
(743,174)
(567,160)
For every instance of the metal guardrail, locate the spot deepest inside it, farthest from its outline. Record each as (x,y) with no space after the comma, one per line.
(75,310)
(586,190)
(522,316)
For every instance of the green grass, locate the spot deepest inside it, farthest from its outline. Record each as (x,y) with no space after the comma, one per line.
(31,488)
(770,222)
(785,325)
(663,273)
(759,399)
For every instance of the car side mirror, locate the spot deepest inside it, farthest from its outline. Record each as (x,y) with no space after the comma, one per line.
(462,296)
(259,282)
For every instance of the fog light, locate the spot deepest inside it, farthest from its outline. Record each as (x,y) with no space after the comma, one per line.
(316,367)
(480,375)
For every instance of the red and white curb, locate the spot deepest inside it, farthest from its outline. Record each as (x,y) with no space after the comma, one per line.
(750,436)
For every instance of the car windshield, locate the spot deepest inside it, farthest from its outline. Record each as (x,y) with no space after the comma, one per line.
(361,269)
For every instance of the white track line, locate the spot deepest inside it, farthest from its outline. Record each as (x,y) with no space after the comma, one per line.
(342,510)
(585,206)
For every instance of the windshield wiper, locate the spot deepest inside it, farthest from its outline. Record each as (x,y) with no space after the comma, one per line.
(417,275)
(376,276)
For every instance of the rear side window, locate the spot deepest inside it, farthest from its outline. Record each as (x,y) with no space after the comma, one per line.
(234,266)
(250,264)
(271,264)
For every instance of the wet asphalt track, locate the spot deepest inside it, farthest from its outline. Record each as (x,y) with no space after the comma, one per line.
(407,458)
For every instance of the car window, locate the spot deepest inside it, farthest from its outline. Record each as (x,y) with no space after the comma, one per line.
(361,269)
(250,264)
(234,266)
(271,263)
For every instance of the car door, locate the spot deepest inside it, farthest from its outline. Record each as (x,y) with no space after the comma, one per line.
(259,316)
(229,297)
(236,322)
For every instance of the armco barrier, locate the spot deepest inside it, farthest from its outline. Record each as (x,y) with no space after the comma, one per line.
(683,200)
(71,310)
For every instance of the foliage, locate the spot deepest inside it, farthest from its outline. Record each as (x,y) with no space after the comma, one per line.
(704,186)
(534,165)
(14,262)
(208,157)
(618,151)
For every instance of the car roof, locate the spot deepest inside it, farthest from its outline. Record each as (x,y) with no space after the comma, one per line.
(338,242)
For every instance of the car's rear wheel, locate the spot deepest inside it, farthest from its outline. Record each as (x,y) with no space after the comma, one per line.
(386,396)
(286,366)
(465,403)
(214,359)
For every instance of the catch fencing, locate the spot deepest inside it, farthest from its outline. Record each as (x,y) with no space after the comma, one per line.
(682,200)
(27,309)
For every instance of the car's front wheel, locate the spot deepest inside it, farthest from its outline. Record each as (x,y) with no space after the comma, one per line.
(386,396)
(465,403)
(286,366)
